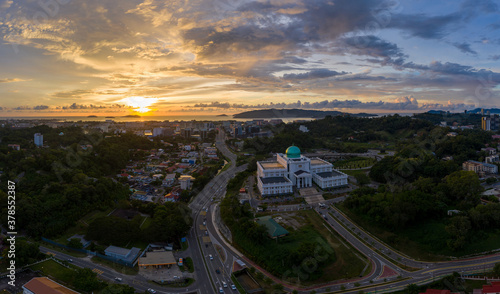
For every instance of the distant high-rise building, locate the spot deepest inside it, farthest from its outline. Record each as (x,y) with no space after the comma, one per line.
(490,123)
(157,132)
(187,133)
(39,140)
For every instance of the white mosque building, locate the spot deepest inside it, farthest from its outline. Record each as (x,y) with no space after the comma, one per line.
(295,170)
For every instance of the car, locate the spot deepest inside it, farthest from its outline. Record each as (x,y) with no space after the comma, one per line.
(211,257)
(151,290)
(118,279)
(321,205)
(217,271)
(70,260)
(224,284)
(233,287)
(204,223)
(221,290)
(206,233)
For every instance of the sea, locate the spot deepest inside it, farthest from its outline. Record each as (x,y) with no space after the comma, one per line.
(160,118)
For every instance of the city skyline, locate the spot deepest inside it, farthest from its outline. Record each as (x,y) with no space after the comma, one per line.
(63,57)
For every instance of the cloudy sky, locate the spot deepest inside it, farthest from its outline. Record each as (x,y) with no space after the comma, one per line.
(226,56)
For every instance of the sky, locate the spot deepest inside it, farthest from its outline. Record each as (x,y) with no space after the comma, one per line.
(152,57)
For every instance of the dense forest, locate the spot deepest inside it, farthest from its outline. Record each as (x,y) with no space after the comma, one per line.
(332,132)
(57,186)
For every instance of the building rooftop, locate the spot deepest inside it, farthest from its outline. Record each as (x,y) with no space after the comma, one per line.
(317,161)
(493,288)
(157,258)
(44,285)
(117,250)
(271,165)
(272,180)
(299,172)
(330,174)
(273,228)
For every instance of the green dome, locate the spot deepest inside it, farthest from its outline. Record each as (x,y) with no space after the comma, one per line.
(293,152)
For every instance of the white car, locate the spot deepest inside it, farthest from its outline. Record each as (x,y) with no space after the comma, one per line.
(221,290)
(211,257)
(224,284)
(233,287)
(118,279)
(151,290)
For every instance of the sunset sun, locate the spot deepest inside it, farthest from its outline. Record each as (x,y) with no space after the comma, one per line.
(140,104)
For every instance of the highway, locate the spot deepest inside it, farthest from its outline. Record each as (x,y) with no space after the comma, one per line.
(204,211)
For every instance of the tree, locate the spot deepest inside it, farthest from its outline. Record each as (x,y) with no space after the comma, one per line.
(458,229)
(86,280)
(411,289)
(496,269)
(75,243)
(362,179)
(464,186)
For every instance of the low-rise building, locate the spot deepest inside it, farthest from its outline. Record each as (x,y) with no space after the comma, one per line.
(480,167)
(44,285)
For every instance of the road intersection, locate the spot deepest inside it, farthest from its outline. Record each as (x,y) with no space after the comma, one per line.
(390,268)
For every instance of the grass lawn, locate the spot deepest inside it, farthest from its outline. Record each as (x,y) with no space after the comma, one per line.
(427,240)
(79,229)
(146,223)
(56,271)
(355,172)
(350,263)
(117,267)
(95,214)
(355,162)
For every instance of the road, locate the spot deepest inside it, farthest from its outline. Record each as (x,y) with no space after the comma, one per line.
(206,281)
(381,256)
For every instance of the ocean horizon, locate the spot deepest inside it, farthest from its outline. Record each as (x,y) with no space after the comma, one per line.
(161,118)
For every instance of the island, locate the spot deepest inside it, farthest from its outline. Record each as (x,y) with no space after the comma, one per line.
(132,115)
(223,115)
(92,116)
(299,113)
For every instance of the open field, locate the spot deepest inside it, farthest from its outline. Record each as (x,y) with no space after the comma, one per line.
(56,271)
(426,241)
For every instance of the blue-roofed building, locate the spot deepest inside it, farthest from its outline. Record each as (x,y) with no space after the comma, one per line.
(292,169)
(127,255)
(274,230)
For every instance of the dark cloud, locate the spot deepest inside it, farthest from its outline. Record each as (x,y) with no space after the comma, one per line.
(89,106)
(402,103)
(495,57)
(465,48)
(313,74)
(370,46)
(22,108)
(1,108)
(41,107)
(426,27)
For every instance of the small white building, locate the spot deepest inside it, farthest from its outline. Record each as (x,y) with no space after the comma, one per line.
(39,140)
(186,182)
(295,170)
